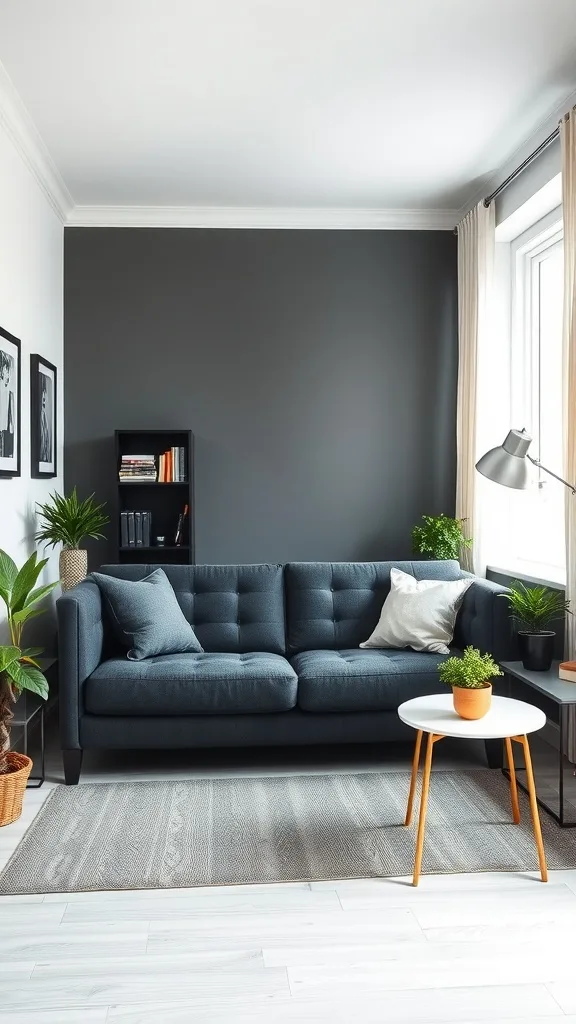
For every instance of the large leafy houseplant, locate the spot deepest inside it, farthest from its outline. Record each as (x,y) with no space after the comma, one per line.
(68,521)
(440,537)
(18,667)
(534,609)
(469,677)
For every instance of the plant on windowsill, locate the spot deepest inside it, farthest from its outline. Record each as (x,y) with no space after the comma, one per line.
(68,521)
(18,671)
(534,609)
(440,537)
(469,677)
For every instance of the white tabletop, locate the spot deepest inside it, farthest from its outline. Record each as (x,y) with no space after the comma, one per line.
(506,717)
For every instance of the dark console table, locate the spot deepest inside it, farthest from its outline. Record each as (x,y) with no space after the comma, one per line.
(555,697)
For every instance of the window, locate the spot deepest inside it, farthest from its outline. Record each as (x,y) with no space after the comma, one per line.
(532,521)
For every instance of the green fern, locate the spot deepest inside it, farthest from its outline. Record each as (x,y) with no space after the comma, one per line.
(471,671)
(68,521)
(440,537)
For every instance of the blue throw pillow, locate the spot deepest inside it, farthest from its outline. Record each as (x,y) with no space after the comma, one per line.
(147,616)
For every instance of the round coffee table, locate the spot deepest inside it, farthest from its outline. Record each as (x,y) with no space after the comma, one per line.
(510,720)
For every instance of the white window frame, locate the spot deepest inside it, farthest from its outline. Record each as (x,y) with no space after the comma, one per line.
(525,254)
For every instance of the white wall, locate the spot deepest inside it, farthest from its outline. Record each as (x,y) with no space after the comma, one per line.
(31,283)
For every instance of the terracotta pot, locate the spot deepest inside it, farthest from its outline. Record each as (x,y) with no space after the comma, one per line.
(472,704)
(73,567)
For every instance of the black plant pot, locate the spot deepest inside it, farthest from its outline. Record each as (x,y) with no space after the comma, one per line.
(537,650)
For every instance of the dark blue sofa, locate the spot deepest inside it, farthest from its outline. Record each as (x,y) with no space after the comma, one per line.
(281,665)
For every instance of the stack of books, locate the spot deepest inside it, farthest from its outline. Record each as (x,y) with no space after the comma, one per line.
(568,671)
(137,468)
(172,466)
(135,529)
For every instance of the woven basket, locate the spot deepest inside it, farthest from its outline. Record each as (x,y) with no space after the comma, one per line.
(13,786)
(73,567)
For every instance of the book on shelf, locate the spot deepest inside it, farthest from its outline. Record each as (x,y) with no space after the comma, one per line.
(179,535)
(137,468)
(567,671)
(171,466)
(135,528)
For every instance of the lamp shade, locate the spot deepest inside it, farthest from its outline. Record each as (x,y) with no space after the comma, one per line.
(507,464)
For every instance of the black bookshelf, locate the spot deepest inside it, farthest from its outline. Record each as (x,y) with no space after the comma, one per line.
(164,501)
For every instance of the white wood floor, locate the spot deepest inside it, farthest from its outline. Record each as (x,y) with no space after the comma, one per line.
(461,948)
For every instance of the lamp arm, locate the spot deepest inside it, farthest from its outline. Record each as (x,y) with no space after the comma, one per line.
(536,462)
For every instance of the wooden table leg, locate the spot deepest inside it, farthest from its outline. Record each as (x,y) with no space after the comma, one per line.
(413,777)
(534,807)
(423,807)
(513,785)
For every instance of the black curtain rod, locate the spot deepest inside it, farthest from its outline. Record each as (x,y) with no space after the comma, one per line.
(525,163)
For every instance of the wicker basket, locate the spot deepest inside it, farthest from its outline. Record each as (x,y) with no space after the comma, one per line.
(13,786)
(73,567)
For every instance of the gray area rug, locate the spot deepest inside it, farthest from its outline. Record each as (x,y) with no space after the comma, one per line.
(144,835)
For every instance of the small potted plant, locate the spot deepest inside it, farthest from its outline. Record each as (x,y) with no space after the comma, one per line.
(440,537)
(469,677)
(68,521)
(534,609)
(18,671)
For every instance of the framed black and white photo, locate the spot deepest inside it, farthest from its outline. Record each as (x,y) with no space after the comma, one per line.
(9,404)
(42,417)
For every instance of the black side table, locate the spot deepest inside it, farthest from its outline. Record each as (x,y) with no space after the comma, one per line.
(28,708)
(547,690)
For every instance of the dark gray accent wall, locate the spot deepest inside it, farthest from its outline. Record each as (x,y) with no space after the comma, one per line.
(317,370)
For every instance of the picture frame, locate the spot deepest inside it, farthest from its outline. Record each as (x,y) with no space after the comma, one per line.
(10,404)
(43,417)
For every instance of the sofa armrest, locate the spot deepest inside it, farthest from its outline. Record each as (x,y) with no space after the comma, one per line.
(80,647)
(484,620)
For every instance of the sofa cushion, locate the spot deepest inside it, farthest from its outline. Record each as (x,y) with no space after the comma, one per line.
(356,680)
(192,684)
(336,605)
(420,614)
(231,608)
(146,615)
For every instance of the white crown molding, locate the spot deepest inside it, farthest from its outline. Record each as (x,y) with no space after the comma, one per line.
(260,217)
(21,130)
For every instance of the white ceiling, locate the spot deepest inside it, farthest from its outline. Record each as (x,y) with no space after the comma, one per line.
(357,104)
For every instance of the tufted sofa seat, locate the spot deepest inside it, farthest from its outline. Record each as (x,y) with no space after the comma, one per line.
(281,662)
(192,684)
(370,680)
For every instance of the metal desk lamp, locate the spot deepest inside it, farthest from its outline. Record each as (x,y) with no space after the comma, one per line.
(508,463)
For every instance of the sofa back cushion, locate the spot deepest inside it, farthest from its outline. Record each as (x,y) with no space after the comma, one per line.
(336,605)
(231,608)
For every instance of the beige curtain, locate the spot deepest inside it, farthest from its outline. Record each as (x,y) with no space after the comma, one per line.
(568,141)
(475,270)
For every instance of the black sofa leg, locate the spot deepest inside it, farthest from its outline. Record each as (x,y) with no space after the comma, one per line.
(72,765)
(494,753)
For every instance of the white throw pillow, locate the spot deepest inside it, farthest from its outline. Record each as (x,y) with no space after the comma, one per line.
(418,613)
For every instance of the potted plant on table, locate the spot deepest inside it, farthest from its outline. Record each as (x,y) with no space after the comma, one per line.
(18,671)
(534,609)
(68,521)
(469,677)
(440,537)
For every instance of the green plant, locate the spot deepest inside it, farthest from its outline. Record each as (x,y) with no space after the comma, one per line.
(535,608)
(19,592)
(67,521)
(18,668)
(440,537)
(470,672)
